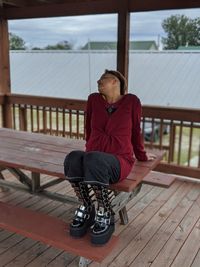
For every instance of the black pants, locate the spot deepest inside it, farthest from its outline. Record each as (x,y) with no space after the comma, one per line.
(93,167)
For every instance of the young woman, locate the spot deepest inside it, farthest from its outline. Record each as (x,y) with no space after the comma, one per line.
(113,140)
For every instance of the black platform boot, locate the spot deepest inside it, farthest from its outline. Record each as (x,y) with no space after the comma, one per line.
(104,225)
(85,213)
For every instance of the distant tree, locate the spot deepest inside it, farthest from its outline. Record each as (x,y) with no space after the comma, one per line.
(16,42)
(181,31)
(36,48)
(63,45)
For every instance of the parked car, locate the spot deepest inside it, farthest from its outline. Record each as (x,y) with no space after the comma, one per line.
(153,133)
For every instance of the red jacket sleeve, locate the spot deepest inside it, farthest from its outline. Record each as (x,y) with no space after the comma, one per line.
(137,140)
(88,118)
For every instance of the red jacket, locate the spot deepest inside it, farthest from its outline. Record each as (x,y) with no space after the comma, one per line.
(117,133)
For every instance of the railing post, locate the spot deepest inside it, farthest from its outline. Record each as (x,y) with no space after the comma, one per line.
(6,113)
(44,116)
(172,142)
(22,119)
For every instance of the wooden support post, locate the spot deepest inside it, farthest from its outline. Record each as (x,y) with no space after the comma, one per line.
(35,181)
(7,112)
(5,72)
(123,39)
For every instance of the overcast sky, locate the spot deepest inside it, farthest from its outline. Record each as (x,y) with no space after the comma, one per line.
(79,29)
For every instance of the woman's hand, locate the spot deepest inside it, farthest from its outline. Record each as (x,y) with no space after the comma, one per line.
(150,156)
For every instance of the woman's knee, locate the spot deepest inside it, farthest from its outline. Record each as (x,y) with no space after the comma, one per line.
(91,158)
(72,158)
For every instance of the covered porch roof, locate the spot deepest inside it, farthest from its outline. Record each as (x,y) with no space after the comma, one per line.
(17,9)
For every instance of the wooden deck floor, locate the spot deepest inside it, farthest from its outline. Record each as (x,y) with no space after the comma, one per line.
(164,230)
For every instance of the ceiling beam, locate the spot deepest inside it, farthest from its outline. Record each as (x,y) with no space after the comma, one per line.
(64,9)
(153,5)
(80,7)
(16,3)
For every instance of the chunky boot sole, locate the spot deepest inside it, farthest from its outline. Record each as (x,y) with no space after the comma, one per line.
(102,238)
(78,232)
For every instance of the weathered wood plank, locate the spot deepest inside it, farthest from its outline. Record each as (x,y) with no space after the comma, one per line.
(139,241)
(139,216)
(196,262)
(151,250)
(189,250)
(162,179)
(51,231)
(174,244)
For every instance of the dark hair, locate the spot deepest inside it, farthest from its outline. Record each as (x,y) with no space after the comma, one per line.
(121,78)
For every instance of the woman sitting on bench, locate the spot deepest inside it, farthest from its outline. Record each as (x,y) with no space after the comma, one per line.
(112,136)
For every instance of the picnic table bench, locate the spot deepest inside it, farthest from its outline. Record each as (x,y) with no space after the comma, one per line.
(42,154)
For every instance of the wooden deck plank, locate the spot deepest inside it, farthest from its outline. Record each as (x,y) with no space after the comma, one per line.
(50,255)
(174,244)
(63,260)
(148,207)
(140,240)
(190,248)
(153,247)
(196,262)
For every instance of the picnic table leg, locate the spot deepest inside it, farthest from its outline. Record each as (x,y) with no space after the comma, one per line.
(35,181)
(2,188)
(83,262)
(1,176)
(123,215)
(120,200)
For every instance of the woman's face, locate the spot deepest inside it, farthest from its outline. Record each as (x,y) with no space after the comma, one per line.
(105,83)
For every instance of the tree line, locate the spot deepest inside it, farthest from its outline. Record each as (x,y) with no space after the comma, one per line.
(180,31)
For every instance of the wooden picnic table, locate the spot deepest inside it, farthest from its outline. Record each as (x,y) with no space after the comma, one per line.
(42,154)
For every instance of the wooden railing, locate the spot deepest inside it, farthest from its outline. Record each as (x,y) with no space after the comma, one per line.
(175,130)
(63,117)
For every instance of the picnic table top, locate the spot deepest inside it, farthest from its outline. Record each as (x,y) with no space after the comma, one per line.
(45,154)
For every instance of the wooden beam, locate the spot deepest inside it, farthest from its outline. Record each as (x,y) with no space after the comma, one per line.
(4,58)
(153,5)
(16,3)
(180,170)
(171,113)
(5,71)
(123,39)
(65,9)
(79,7)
